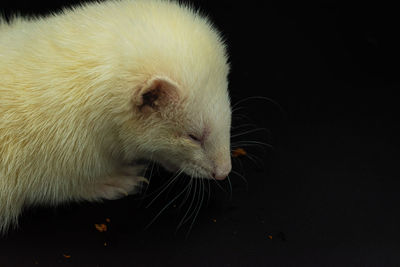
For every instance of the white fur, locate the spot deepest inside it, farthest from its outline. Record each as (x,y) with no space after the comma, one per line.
(69,127)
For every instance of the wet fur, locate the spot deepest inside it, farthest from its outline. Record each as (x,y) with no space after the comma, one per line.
(73,116)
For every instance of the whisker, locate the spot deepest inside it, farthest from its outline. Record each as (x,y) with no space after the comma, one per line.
(195,206)
(242,116)
(248,145)
(159,188)
(241,176)
(198,209)
(158,169)
(149,178)
(255,159)
(190,206)
(166,206)
(240,163)
(251,142)
(261,98)
(215,180)
(247,142)
(209,192)
(230,188)
(171,181)
(169,191)
(187,193)
(249,131)
(236,109)
(244,125)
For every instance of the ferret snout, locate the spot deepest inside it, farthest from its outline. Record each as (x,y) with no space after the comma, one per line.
(222,170)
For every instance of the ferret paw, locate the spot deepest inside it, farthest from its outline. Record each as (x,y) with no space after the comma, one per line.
(119,186)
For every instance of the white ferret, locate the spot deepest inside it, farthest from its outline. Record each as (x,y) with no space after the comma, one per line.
(85,93)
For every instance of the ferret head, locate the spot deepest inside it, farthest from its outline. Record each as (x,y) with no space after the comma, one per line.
(180,113)
(184,129)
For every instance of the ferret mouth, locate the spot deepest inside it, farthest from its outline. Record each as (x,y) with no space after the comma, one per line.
(190,169)
(198,171)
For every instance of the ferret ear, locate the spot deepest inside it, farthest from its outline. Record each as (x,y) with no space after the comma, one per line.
(156,94)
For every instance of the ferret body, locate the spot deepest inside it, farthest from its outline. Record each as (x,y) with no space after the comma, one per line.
(86,92)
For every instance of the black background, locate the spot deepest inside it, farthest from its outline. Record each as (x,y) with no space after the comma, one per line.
(325,194)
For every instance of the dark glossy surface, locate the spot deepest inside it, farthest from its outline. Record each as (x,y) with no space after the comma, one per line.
(327,194)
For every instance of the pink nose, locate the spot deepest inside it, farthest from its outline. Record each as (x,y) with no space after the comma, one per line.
(222,171)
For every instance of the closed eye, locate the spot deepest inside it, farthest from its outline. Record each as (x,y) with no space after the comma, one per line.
(195,138)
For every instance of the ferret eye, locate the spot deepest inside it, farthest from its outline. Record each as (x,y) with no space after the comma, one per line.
(194,138)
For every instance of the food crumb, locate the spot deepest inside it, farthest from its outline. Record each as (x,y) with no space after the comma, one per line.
(67,256)
(215,220)
(108,220)
(105,244)
(101,227)
(269,237)
(238,152)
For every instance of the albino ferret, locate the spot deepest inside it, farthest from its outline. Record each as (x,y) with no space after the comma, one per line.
(87,92)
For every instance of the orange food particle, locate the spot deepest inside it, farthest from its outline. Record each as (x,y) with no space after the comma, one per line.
(270,237)
(101,227)
(67,256)
(238,152)
(108,220)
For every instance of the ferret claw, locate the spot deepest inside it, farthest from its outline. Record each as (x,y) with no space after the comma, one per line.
(143,179)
